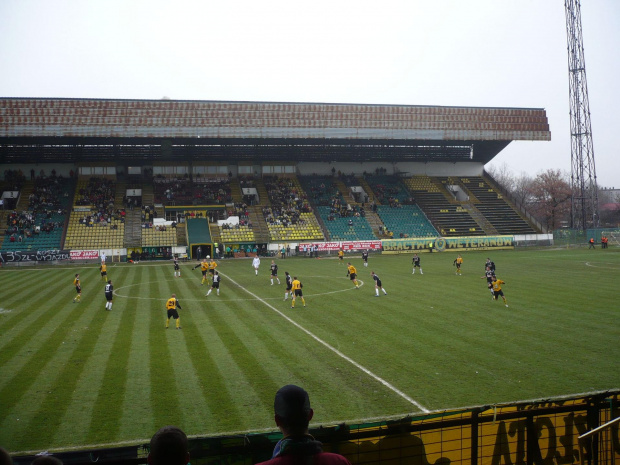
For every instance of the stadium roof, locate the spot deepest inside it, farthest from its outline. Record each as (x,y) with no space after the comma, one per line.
(75,130)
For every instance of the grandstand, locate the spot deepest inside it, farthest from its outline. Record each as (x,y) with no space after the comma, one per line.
(320,174)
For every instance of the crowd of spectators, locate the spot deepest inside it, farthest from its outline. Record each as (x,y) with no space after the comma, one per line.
(215,192)
(103,218)
(99,192)
(49,194)
(168,190)
(26,224)
(288,201)
(14,179)
(324,193)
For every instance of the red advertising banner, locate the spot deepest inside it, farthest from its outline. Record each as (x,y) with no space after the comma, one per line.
(84,254)
(322,246)
(335,246)
(362,245)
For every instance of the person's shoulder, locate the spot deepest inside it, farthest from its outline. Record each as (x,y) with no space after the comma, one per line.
(323,458)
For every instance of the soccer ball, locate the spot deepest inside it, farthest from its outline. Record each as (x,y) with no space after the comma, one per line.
(208,256)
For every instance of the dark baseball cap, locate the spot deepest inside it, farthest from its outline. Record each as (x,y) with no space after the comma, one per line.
(292,402)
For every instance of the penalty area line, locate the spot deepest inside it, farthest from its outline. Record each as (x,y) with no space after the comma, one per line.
(332,348)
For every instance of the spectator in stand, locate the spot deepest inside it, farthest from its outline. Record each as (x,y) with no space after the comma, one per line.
(46,460)
(292,416)
(169,446)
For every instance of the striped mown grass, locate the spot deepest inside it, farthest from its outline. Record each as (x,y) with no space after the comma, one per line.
(75,375)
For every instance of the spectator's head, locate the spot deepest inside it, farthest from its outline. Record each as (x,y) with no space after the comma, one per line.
(46,460)
(5,458)
(169,446)
(292,410)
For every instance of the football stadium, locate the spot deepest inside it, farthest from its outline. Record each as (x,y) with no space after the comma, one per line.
(384,215)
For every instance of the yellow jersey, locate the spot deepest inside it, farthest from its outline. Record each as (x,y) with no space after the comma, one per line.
(352,269)
(296,284)
(497,285)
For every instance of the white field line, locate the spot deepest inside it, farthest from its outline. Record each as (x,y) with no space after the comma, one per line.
(333,349)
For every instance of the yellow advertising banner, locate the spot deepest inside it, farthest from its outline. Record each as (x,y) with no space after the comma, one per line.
(393,246)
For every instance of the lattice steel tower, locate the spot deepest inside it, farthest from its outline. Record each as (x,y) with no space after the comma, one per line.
(584,201)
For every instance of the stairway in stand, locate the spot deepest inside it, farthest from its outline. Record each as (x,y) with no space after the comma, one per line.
(181,236)
(215,232)
(368,190)
(133,228)
(263,197)
(479,218)
(119,194)
(148,197)
(374,221)
(259,226)
(235,191)
(346,194)
(24,201)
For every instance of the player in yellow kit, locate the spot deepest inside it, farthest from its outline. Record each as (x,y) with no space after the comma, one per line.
(78,289)
(212,267)
(341,256)
(352,274)
(171,306)
(104,271)
(297,292)
(204,267)
(458,261)
(497,289)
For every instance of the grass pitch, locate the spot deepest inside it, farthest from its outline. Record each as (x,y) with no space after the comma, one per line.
(76,375)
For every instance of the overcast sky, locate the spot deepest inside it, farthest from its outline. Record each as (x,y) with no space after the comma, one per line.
(500,53)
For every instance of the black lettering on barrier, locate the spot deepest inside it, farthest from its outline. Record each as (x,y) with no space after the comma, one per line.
(501,451)
(566,452)
(38,256)
(517,428)
(570,453)
(552,442)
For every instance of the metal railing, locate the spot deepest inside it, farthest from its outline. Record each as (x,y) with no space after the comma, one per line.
(602,451)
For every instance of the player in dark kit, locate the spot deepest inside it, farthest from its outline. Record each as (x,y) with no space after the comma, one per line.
(274,272)
(489,274)
(378,284)
(216,283)
(416,263)
(171,306)
(490,264)
(365,257)
(109,291)
(289,286)
(177,270)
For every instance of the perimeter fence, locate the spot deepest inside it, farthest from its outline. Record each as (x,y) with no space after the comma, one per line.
(531,432)
(578,238)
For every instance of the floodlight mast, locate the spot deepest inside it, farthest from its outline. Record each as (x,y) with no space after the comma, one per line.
(584,198)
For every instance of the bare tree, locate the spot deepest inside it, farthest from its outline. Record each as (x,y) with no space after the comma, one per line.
(550,195)
(522,189)
(502,175)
